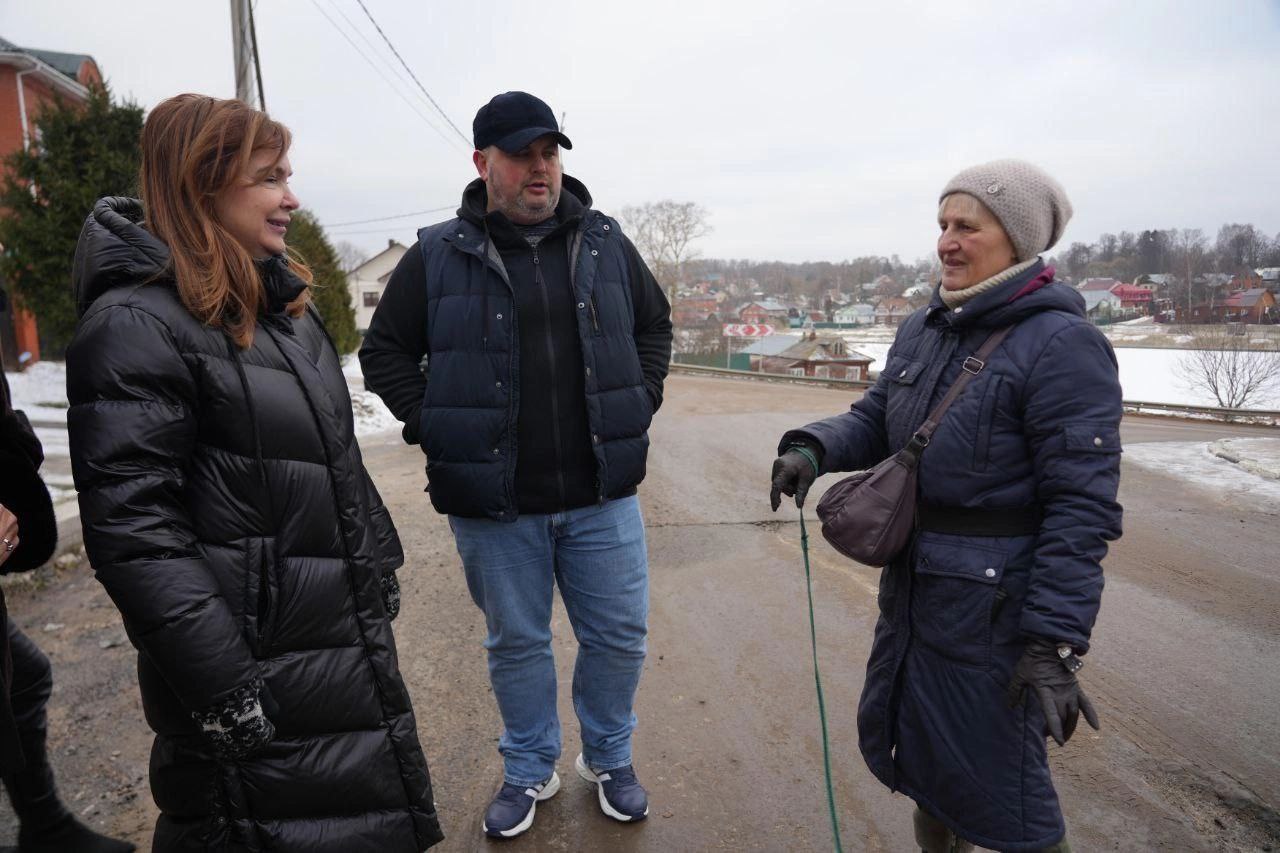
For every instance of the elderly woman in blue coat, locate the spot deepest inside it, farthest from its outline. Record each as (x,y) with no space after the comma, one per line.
(984,618)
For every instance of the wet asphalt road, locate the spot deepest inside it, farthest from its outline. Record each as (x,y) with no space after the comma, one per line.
(1183,668)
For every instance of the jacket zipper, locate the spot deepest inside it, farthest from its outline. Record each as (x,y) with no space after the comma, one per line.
(264,598)
(551,359)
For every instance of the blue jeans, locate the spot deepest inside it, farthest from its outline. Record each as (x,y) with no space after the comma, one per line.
(597,556)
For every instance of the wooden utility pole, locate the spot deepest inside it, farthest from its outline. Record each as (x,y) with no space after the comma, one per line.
(244,44)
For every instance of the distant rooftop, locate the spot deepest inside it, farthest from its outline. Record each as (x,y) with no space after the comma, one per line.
(67,63)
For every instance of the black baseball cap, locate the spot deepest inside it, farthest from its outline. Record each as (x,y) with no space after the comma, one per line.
(514,119)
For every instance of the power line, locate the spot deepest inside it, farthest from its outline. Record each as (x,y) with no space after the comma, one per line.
(380,73)
(391,66)
(382,231)
(439,109)
(396,216)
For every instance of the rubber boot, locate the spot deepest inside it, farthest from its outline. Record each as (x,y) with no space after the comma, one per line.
(933,836)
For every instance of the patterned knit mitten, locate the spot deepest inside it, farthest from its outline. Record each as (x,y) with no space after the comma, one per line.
(391,594)
(237,726)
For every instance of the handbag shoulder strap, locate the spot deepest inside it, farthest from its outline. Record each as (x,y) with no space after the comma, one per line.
(972,367)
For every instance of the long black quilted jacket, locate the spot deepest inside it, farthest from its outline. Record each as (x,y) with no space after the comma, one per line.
(228,513)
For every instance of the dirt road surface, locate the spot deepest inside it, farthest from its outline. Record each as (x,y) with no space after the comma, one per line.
(1183,670)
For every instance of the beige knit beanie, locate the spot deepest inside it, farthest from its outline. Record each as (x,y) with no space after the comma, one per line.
(1032,206)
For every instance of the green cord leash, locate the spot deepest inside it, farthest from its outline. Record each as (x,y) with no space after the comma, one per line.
(817,680)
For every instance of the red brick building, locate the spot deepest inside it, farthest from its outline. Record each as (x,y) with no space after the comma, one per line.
(30,79)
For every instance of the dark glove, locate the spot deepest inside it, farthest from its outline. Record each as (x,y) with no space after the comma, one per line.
(391,594)
(1052,677)
(793,473)
(237,727)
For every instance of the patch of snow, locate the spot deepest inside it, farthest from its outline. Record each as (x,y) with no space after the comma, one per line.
(1259,456)
(351,368)
(1194,463)
(371,416)
(41,391)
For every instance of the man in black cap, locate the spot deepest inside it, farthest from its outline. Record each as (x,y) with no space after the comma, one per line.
(524,344)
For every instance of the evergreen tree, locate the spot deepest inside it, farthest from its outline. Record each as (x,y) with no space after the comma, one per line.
(81,152)
(329,289)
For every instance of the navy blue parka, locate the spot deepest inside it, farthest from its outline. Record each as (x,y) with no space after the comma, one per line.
(1039,426)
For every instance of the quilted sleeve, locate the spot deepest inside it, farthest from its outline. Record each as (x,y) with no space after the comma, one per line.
(132,426)
(1072,409)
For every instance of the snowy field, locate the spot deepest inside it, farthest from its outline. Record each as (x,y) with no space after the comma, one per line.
(1148,375)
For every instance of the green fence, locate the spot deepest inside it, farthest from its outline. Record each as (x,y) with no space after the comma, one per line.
(738,361)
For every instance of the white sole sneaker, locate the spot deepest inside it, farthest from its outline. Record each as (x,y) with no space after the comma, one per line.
(548,791)
(587,773)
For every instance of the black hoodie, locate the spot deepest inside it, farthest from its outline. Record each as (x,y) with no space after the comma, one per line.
(556,468)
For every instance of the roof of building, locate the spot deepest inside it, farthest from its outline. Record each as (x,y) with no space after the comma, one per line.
(769,345)
(857,308)
(392,246)
(765,304)
(1132,292)
(1247,298)
(67,63)
(1094,298)
(823,349)
(1103,284)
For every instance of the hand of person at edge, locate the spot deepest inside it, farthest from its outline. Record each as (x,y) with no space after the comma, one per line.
(793,474)
(1051,677)
(9,531)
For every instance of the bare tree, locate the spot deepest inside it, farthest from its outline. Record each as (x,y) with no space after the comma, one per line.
(664,232)
(1189,251)
(349,255)
(1230,368)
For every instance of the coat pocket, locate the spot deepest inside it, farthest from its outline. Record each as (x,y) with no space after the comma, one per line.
(986,423)
(261,593)
(902,375)
(956,589)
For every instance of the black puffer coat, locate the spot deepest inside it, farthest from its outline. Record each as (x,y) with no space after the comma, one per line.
(228,513)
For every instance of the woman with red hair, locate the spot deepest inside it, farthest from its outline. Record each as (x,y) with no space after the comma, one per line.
(228,512)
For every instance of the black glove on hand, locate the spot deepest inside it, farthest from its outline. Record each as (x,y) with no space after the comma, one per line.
(391,595)
(237,727)
(1052,677)
(793,473)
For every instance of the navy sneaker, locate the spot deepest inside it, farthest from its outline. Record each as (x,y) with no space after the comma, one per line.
(622,797)
(511,810)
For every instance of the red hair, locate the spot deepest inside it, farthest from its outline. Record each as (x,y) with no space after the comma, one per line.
(193,148)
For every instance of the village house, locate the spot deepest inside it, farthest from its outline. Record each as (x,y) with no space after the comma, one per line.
(1255,305)
(30,80)
(1100,304)
(695,311)
(825,357)
(892,310)
(1134,298)
(765,311)
(366,282)
(857,314)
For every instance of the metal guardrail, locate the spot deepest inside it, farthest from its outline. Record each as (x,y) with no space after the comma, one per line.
(1263,416)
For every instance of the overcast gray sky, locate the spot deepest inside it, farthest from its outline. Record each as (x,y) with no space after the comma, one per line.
(810,131)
